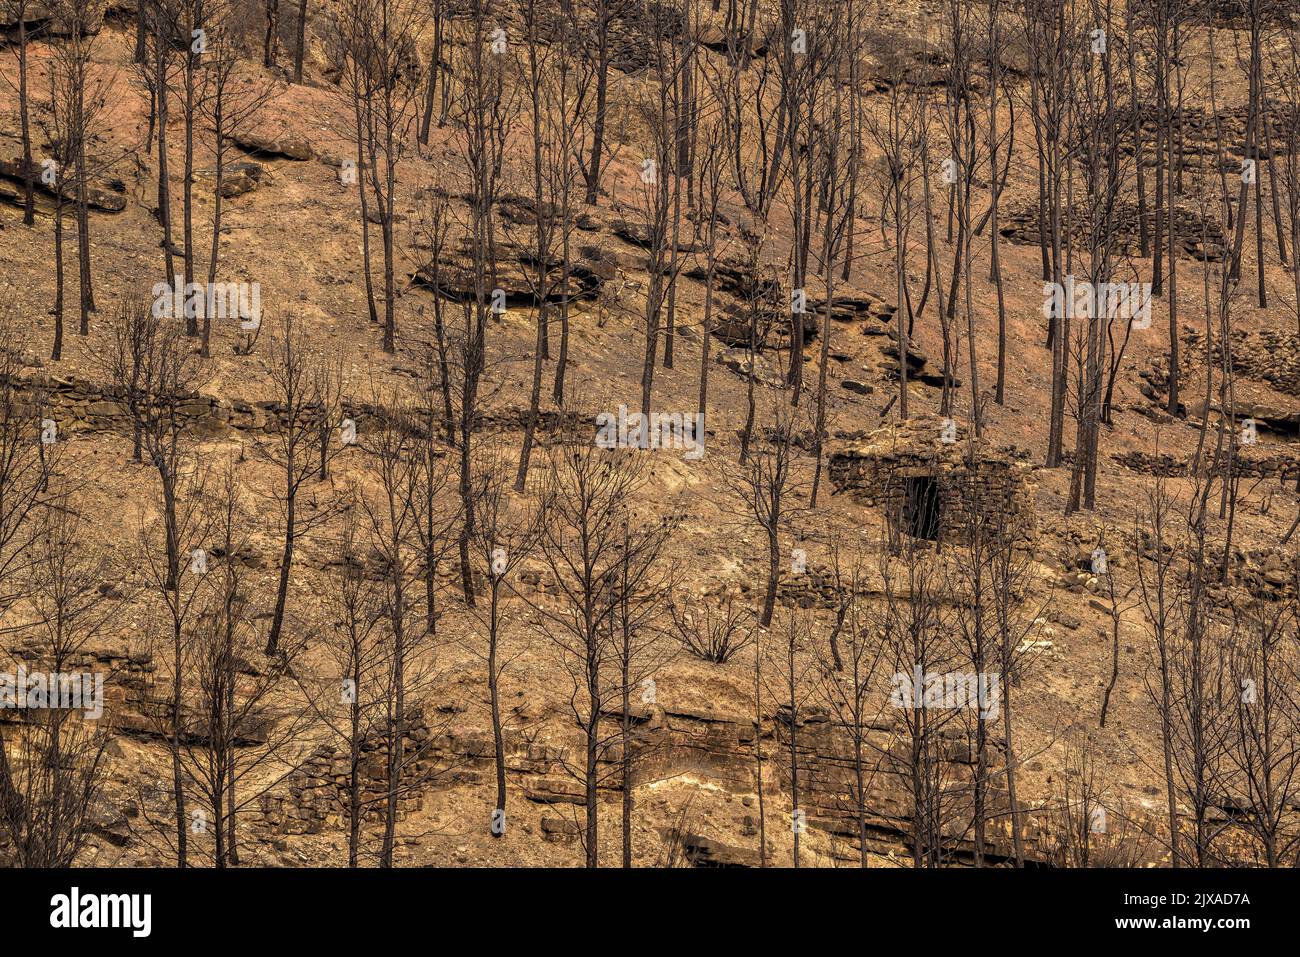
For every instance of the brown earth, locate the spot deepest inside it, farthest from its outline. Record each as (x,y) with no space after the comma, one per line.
(295,232)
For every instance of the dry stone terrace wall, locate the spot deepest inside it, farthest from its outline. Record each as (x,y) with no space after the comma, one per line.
(1214,140)
(129,700)
(1268,356)
(1249,462)
(711,749)
(133,703)
(1197,237)
(815,588)
(316,795)
(79,405)
(827,775)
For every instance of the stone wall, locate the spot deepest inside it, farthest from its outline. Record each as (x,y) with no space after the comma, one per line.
(827,782)
(973,482)
(129,700)
(1268,356)
(79,405)
(316,795)
(1197,237)
(716,749)
(1250,462)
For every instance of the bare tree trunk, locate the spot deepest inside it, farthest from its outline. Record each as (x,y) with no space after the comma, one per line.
(302,41)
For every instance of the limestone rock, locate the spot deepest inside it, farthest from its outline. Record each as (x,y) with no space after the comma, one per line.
(282,145)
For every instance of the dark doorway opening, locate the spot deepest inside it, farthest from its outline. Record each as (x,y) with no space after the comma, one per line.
(921,507)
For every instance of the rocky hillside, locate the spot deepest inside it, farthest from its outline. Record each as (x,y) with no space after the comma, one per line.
(390,228)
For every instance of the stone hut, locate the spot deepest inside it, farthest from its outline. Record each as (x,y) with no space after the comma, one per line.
(933,480)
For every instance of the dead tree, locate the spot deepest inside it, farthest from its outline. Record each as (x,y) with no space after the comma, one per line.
(1155,544)
(547,78)
(898,136)
(191,30)
(756,137)
(1192,694)
(53,770)
(834,154)
(919,646)
(640,586)
(178,591)
(347,47)
(375,42)
(1285,69)
(762,318)
(806,61)
(1264,754)
(1087,825)
(660,199)
(847,677)
(790,674)
(328,387)
(1119,604)
(586,495)
(997,176)
(1104,175)
(764,484)
(25,471)
(19,11)
(351,702)
(961,138)
(435,226)
(1202,705)
(293,370)
(1055,42)
(438,517)
(230,108)
(26,465)
(388,513)
(241,735)
(158,70)
(485,109)
(54,766)
(271,38)
(156,374)
(87,92)
(711,170)
(594,87)
(758,747)
(71,117)
(435,91)
(1167,22)
(300,48)
(504,537)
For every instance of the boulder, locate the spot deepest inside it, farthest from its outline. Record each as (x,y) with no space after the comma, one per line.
(559,830)
(240,178)
(704,851)
(282,145)
(916,359)
(107,196)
